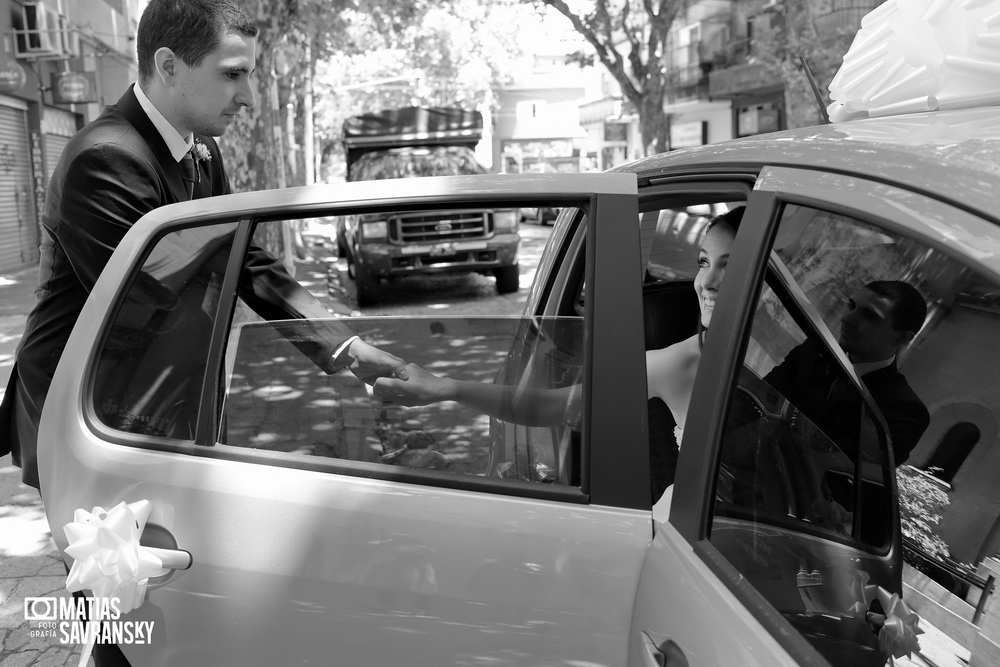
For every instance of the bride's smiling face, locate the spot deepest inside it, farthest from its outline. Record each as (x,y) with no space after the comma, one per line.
(712,260)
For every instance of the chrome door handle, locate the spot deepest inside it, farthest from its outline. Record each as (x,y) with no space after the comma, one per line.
(172,559)
(666,654)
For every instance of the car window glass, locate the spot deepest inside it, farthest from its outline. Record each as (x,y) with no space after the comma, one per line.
(800,445)
(946,446)
(279,402)
(150,370)
(804,492)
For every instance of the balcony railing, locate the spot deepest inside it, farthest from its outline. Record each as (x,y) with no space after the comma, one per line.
(689,66)
(845,16)
(731,53)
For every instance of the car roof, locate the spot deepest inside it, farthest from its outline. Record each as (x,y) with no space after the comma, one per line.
(950,155)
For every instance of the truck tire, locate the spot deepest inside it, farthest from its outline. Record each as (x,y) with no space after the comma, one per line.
(365,285)
(508,279)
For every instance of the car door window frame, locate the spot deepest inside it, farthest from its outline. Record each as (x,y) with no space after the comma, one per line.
(608,475)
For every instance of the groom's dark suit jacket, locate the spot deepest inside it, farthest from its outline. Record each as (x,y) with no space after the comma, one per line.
(114,171)
(806,378)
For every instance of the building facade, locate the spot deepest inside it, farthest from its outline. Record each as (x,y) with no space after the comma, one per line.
(62,61)
(537,122)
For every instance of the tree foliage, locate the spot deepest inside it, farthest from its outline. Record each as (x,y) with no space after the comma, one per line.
(252,146)
(921,501)
(630,39)
(451,53)
(790,32)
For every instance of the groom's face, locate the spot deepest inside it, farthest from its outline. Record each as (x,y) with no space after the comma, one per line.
(212,94)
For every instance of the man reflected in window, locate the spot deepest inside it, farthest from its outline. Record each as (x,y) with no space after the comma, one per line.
(882,317)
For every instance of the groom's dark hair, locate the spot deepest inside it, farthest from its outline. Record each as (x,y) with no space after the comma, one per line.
(190,28)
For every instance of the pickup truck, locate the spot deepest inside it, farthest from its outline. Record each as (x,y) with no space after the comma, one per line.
(413,142)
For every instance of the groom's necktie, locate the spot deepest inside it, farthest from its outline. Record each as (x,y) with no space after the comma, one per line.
(188,171)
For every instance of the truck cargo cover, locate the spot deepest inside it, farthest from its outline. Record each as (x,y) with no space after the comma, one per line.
(411,126)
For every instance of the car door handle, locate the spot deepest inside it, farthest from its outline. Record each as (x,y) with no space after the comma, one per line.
(172,559)
(666,654)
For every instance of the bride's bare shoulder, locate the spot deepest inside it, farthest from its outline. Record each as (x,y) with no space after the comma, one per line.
(678,356)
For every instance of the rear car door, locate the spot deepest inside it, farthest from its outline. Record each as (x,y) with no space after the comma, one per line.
(322,527)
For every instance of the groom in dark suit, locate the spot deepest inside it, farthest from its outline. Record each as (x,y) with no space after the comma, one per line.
(154,147)
(881,318)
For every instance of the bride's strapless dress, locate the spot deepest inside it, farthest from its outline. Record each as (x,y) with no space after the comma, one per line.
(678,434)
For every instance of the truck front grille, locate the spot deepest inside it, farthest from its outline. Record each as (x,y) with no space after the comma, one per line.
(437,226)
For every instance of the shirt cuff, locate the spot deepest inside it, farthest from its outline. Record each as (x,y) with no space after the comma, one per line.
(336,361)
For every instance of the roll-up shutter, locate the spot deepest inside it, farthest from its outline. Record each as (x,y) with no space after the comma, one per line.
(18,227)
(58,127)
(54,145)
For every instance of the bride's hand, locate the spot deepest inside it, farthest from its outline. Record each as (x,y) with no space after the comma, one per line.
(420,387)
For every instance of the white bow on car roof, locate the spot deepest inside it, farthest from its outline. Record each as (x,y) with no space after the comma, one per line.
(918,55)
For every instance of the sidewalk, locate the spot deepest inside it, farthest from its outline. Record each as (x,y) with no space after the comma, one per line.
(29,563)
(17,296)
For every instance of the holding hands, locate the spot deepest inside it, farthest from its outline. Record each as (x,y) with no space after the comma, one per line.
(369,363)
(531,406)
(414,386)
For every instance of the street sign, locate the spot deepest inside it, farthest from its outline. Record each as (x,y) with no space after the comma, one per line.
(12,75)
(74,87)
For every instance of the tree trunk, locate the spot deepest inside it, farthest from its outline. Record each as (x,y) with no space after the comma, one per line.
(653,122)
(250,147)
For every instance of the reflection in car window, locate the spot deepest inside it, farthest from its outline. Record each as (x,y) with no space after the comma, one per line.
(150,370)
(947,486)
(803,501)
(796,403)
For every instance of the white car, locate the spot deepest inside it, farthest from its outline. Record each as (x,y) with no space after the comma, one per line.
(325,528)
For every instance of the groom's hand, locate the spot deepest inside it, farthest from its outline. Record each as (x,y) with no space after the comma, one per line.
(369,363)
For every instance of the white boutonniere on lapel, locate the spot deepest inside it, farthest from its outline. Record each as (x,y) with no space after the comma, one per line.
(200,153)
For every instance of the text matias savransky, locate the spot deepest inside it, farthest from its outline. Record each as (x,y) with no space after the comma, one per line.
(84,620)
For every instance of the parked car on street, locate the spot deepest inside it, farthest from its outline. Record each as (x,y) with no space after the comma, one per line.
(543,215)
(323,526)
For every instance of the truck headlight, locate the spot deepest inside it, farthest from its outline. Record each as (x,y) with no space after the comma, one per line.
(505,221)
(374,230)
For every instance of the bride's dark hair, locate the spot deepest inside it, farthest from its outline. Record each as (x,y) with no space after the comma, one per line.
(731,219)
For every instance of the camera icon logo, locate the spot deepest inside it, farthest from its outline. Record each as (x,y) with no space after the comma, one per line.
(40,609)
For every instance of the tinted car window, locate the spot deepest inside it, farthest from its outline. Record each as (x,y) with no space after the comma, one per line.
(150,370)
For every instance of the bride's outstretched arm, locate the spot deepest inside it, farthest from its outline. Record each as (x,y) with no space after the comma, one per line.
(530,406)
